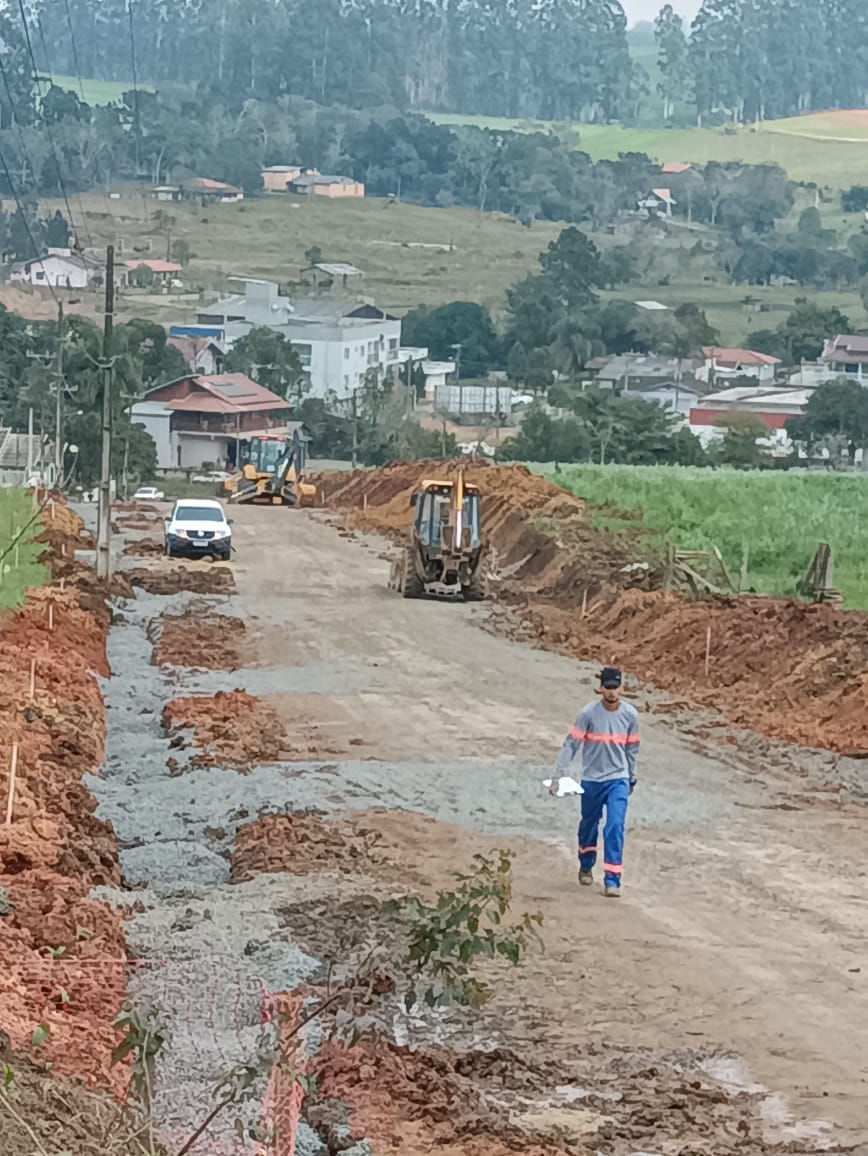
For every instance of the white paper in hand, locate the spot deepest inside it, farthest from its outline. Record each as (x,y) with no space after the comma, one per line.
(566,786)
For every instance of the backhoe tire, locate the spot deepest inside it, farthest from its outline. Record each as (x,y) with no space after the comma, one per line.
(412,585)
(473,591)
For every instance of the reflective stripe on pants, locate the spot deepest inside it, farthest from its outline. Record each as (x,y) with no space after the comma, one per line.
(612,795)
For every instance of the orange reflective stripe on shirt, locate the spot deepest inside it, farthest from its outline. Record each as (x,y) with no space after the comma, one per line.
(616,738)
(578,733)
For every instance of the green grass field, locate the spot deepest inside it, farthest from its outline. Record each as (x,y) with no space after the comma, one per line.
(780,516)
(825,150)
(97,92)
(19,567)
(409,255)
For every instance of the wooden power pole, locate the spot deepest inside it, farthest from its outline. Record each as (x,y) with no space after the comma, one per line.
(104,515)
(58,403)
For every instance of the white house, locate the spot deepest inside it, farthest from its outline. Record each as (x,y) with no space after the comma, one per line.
(657,203)
(338,341)
(846,355)
(723,364)
(60,268)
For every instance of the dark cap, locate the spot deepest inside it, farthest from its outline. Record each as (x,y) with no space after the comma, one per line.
(610,676)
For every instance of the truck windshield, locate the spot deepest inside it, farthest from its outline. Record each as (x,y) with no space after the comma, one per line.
(198,514)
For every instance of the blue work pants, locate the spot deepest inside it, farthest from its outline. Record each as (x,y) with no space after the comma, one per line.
(612,795)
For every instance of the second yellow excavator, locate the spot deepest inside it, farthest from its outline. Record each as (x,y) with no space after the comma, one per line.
(272,474)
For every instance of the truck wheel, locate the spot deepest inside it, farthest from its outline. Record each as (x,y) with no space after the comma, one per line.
(473,591)
(412,585)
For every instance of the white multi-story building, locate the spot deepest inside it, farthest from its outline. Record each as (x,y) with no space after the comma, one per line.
(338,341)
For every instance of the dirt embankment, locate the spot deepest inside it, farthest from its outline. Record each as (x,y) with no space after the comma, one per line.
(63,953)
(783,668)
(301,842)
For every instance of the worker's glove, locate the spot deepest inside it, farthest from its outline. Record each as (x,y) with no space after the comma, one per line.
(632,785)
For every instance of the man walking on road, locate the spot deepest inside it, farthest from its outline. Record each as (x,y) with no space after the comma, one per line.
(608,733)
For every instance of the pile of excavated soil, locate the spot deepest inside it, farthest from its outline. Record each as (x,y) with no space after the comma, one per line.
(199,579)
(538,539)
(145,548)
(498,1102)
(794,671)
(63,953)
(301,842)
(201,640)
(229,729)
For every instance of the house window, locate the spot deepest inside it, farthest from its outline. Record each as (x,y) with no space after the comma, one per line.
(40,276)
(346,381)
(304,354)
(347,353)
(393,344)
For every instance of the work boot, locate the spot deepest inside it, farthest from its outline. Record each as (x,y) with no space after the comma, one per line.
(586,878)
(612,892)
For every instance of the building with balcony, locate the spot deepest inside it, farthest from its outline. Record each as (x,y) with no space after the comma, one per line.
(206,419)
(338,340)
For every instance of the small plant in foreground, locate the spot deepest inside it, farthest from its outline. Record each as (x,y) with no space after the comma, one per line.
(449,937)
(146,1033)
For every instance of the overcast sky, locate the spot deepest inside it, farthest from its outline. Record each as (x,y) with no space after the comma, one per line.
(648,9)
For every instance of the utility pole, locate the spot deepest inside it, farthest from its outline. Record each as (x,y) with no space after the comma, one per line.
(58,404)
(104,515)
(355,459)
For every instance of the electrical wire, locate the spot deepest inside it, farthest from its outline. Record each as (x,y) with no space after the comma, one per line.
(51,141)
(81,207)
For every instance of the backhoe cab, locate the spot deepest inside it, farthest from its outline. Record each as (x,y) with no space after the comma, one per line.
(443,555)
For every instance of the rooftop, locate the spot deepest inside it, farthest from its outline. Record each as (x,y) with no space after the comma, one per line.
(730,355)
(847,344)
(207,185)
(336,269)
(218,393)
(757,398)
(156,266)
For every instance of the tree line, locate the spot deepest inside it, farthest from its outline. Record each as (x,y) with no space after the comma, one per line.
(520,58)
(750,60)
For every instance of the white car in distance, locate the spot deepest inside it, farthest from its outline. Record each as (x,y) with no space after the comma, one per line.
(198,527)
(148,494)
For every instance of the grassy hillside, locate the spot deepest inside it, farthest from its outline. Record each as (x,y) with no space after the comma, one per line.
(698,509)
(825,150)
(409,255)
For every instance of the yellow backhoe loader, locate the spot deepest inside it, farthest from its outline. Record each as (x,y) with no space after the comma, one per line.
(272,474)
(443,555)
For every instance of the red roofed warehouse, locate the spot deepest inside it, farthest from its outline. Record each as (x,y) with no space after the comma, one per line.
(200,419)
(723,364)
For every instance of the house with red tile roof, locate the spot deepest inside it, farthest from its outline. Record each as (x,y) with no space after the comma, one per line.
(203,418)
(723,364)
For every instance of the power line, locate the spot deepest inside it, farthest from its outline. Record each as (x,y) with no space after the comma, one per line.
(25,222)
(78,76)
(50,134)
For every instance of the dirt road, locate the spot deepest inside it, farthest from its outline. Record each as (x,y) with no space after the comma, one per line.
(736,950)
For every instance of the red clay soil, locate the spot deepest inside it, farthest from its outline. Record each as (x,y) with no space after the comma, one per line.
(301,842)
(53,938)
(200,641)
(230,728)
(204,579)
(786,669)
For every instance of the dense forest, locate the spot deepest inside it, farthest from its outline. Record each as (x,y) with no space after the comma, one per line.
(543,58)
(741,60)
